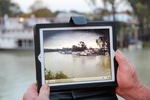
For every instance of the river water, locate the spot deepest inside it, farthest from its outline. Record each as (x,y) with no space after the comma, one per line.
(78,68)
(17,70)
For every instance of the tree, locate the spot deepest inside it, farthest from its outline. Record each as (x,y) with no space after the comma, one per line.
(136,9)
(100,41)
(43,12)
(141,10)
(15,9)
(74,48)
(38,4)
(82,45)
(99,12)
(9,8)
(147,14)
(39,10)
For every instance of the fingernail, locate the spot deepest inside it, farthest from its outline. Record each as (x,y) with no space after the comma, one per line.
(119,52)
(45,86)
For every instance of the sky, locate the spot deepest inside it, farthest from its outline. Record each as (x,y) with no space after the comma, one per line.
(66,5)
(54,5)
(67,40)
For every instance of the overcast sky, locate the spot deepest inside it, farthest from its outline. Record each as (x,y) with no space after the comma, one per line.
(68,39)
(65,5)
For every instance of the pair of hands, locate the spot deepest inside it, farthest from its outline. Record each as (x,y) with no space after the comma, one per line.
(128,83)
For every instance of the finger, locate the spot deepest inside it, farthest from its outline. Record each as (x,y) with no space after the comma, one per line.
(33,86)
(121,59)
(31,92)
(124,63)
(44,92)
(118,91)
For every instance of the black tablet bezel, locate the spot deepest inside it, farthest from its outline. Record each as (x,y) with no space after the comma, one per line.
(62,25)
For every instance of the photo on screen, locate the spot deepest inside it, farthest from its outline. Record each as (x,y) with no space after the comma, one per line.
(76,55)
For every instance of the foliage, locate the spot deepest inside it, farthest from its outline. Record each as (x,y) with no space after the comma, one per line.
(141,10)
(50,75)
(9,8)
(38,4)
(100,12)
(26,15)
(82,46)
(60,75)
(38,10)
(43,12)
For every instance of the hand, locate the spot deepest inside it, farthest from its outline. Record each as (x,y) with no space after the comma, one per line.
(32,94)
(129,86)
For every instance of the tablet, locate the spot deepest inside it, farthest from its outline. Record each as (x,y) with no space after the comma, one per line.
(70,57)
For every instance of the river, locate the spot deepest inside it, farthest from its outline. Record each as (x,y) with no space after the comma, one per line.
(78,68)
(17,70)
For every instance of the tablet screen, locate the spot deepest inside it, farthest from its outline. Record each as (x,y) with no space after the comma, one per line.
(76,55)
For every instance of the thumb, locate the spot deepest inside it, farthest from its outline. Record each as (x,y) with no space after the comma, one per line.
(121,59)
(118,91)
(44,92)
